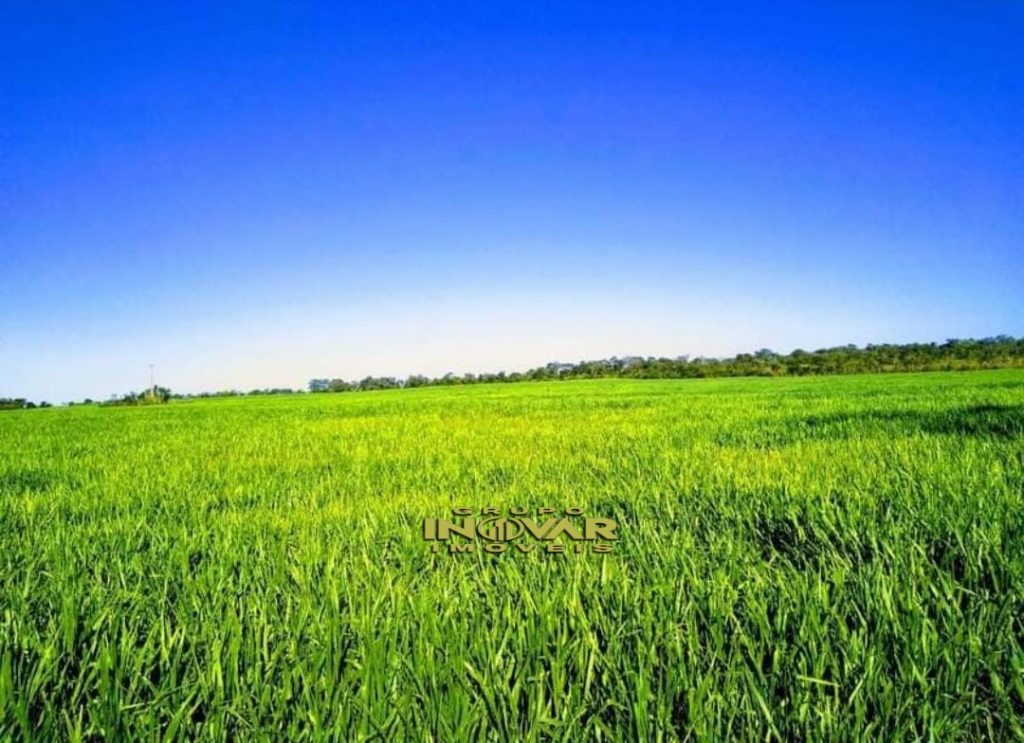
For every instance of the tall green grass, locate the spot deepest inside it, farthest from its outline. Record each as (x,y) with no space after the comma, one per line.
(802,559)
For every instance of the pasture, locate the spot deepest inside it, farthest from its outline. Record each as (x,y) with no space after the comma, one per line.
(827,558)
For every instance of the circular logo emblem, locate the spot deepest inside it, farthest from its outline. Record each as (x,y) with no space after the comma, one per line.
(500,529)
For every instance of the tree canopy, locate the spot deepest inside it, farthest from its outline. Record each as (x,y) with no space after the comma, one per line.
(953,355)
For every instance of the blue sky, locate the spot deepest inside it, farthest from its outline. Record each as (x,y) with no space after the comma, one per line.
(257,195)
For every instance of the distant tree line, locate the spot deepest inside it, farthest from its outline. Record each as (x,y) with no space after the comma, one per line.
(162,395)
(159,395)
(953,355)
(151,396)
(238,393)
(20,403)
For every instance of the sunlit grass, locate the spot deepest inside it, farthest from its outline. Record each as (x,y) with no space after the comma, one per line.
(819,559)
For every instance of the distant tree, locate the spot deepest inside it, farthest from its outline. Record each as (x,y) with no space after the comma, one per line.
(953,354)
(339,385)
(152,396)
(155,395)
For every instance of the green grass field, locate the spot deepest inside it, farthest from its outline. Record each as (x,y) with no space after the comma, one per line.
(800,559)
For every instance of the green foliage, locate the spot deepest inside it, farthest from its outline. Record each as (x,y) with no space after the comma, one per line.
(826,558)
(152,396)
(960,355)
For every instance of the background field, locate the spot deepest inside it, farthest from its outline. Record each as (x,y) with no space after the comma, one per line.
(817,558)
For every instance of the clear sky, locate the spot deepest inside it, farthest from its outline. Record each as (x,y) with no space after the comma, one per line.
(250,195)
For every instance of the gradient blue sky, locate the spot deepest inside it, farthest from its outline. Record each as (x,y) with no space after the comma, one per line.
(260,194)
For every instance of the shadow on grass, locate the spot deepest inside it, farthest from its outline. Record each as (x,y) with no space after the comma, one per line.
(26,480)
(976,421)
(1000,421)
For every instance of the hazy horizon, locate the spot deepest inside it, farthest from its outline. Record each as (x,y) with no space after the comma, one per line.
(251,371)
(254,197)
